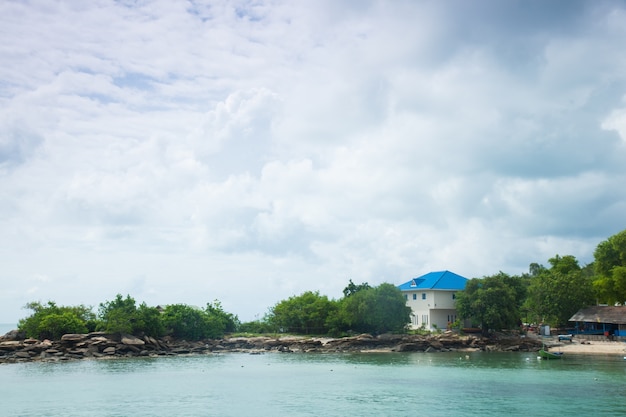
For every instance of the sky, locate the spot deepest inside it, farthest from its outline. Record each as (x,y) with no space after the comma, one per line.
(248,151)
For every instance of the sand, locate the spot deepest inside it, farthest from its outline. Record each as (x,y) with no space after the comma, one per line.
(594,347)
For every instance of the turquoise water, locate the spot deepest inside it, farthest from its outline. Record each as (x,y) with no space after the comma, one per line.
(389,384)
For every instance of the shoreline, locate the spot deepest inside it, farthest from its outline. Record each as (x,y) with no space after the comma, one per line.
(581,345)
(14,348)
(102,346)
(591,348)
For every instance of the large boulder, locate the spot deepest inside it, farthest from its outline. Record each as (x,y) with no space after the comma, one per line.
(73,337)
(11,345)
(109,350)
(132,340)
(13,335)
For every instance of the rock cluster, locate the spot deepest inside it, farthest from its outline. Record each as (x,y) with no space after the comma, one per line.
(15,348)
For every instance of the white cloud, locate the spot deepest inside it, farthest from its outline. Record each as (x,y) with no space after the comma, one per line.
(183,152)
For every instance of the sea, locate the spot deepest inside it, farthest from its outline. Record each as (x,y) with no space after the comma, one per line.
(319,384)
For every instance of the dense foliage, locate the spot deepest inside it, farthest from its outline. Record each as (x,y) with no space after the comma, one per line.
(306,313)
(493,302)
(50,321)
(191,323)
(610,269)
(122,315)
(373,310)
(558,292)
(363,309)
(549,295)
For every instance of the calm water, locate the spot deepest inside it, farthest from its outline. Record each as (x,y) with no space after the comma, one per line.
(416,384)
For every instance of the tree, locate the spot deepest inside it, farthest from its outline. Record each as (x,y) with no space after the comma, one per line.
(374,310)
(556,293)
(352,288)
(306,313)
(610,269)
(118,315)
(148,321)
(493,302)
(224,322)
(186,322)
(50,321)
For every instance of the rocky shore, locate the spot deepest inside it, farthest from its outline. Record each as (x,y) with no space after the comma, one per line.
(14,348)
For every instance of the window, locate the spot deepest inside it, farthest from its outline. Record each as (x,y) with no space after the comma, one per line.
(425,319)
(454,296)
(415,296)
(423,296)
(406,297)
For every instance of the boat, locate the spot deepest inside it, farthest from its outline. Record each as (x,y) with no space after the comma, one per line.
(544,354)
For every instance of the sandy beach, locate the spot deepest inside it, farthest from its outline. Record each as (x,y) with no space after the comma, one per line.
(591,347)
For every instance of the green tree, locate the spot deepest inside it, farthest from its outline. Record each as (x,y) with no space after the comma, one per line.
(374,310)
(257,326)
(118,315)
(493,302)
(556,293)
(121,315)
(306,313)
(55,325)
(224,322)
(52,321)
(610,269)
(186,322)
(148,321)
(352,288)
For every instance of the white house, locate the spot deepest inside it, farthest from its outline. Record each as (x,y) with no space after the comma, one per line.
(432,298)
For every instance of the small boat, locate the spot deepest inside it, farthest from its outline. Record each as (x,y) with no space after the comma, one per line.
(544,354)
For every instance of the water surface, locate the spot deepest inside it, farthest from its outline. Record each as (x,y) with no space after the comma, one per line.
(385,384)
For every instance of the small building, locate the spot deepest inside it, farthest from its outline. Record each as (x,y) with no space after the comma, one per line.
(432,299)
(602,320)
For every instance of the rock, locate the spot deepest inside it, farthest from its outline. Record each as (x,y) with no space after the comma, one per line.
(132,340)
(128,348)
(98,340)
(409,347)
(73,337)
(151,341)
(11,345)
(109,350)
(13,335)
(22,354)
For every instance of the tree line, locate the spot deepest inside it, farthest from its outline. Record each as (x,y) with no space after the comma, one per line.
(546,294)
(123,315)
(362,309)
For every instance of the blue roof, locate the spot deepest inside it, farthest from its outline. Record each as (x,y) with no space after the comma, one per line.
(440,280)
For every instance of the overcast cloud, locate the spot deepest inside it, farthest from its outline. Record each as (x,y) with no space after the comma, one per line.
(248,151)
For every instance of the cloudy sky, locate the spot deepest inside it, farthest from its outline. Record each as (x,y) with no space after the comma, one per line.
(248,151)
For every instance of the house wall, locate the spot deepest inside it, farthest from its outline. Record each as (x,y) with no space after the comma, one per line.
(436,308)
